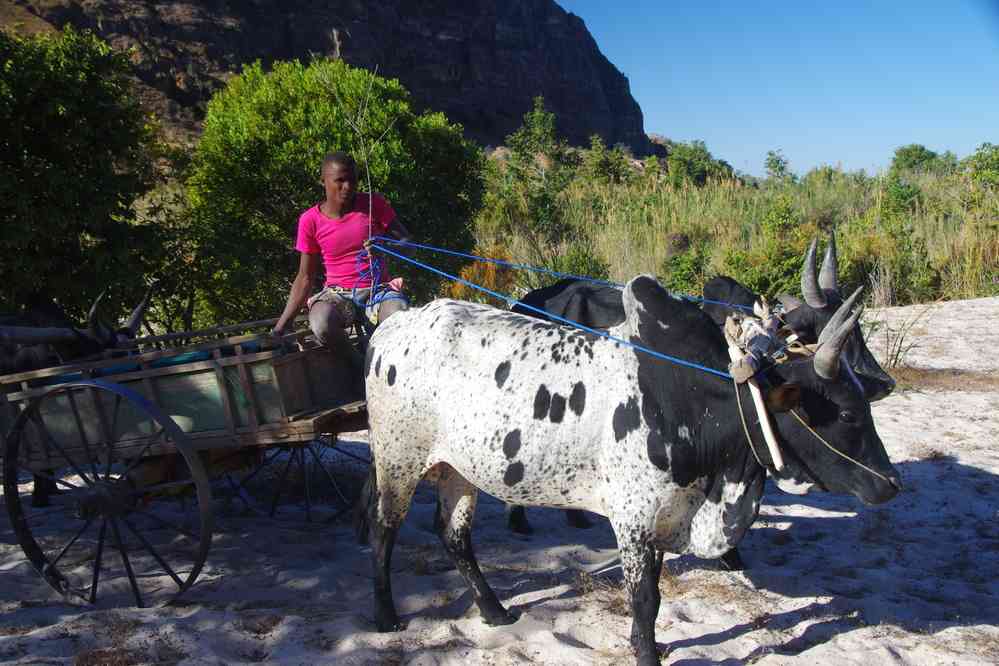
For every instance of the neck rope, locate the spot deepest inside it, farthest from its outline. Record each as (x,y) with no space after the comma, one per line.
(752,446)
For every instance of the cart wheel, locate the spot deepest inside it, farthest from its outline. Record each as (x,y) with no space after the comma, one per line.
(131,507)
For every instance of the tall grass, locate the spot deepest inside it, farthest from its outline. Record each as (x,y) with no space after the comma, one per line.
(928,236)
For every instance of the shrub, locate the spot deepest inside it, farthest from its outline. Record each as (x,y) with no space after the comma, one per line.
(257,164)
(920,159)
(693,163)
(983,166)
(603,164)
(75,152)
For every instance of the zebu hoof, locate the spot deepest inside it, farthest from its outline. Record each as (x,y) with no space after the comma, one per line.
(732,561)
(499,619)
(386,623)
(578,519)
(651,656)
(517,521)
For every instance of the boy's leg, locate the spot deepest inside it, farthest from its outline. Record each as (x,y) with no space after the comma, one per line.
(327,324)
(390,306)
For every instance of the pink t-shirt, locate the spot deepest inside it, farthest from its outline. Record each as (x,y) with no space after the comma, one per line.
(340,239)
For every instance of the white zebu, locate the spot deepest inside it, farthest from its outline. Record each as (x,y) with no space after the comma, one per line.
(540,414)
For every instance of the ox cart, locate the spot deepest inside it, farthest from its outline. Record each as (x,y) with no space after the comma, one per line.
(108,464)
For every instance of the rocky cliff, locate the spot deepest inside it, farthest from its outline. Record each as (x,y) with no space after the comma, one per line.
(479,61)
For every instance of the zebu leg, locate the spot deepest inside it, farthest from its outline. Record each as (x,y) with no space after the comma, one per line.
(391,499)
(456,508)
(642,565)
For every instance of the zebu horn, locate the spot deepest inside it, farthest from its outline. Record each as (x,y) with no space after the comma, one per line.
(827,276)
(131,327)
(32,335)
(809,285)
(834,336)
(92,321)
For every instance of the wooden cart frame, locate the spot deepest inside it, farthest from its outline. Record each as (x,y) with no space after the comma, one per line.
(110,435)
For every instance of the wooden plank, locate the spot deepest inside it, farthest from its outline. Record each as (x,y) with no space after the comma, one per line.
(137,359)
(227,409)
(247,385)
(194,366)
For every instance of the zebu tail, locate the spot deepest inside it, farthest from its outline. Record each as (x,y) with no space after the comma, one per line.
(365,508)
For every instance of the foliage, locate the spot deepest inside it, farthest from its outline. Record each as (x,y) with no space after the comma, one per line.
(257,164)
(777,166)
(75,152)
(901,197)
(610,165)
(918,158)
(686,271)
(693,163)
(928,236)
(983,166)
(524,191)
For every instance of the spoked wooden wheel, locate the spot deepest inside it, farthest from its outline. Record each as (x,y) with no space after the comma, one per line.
(105,492)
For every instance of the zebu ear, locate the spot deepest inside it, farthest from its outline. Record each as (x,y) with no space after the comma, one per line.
(783,398)
(645,301)
(789,302)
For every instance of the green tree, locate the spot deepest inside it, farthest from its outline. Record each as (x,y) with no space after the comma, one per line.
(693,163)
(920,159)
(256,168)
(75,152)
(609,165)
(777,166)
(983,166)
(524,190)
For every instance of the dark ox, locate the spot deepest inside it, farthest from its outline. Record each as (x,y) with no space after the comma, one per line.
(600,306)
(809,318)
(43,335)
(565,419)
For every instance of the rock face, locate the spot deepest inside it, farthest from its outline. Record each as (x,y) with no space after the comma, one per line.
(481,62)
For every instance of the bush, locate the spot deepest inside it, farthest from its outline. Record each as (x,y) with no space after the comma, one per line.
(75,152)
(920,159)
(257,164)
(607,165)
(693,163)
(983,166)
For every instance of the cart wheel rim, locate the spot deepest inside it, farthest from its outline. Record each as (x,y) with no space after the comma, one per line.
(105,514)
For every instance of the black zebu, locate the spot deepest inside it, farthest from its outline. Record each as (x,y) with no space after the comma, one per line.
(43,336)
(567,420)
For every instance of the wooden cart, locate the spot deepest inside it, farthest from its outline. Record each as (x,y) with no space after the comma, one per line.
(116,454)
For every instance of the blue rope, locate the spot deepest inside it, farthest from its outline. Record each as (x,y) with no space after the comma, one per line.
(374,271)
(602,334)
(538,269)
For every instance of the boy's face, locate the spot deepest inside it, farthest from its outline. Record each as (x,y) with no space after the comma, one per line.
(340,183)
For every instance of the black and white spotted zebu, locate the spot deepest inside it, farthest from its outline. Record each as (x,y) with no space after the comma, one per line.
(540,414)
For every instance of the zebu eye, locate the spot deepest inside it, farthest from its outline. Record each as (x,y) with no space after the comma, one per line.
(848,417)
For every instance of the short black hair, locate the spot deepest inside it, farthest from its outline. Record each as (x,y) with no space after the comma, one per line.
(340,158)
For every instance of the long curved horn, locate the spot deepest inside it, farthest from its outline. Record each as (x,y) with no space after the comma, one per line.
(809,286)
(131,327)
(827,276)
(834,336)
(93,322)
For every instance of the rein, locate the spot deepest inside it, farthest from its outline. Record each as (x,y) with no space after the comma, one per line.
(838,452)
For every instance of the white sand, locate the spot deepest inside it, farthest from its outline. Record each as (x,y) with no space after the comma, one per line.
(828,581)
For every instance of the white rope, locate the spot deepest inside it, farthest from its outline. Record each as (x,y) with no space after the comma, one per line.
(838,452)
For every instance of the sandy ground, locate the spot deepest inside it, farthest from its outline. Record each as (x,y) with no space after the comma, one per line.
(828,580)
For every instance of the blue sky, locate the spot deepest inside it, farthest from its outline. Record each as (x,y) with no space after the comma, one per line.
(842,83)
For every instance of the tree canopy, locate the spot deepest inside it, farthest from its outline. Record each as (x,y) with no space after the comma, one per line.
(256,168)
(75,152)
